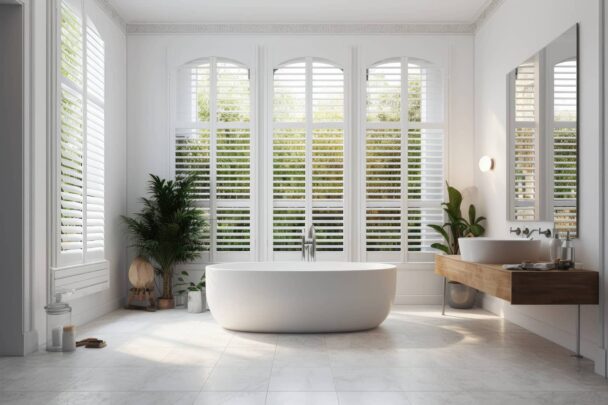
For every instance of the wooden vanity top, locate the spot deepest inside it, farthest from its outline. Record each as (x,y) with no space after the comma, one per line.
(523,287)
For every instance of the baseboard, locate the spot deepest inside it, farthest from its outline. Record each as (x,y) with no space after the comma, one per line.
(418,299)
(559,336)
(92,311)
(601,362)
(30,342)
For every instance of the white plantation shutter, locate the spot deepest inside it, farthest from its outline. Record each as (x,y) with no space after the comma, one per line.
(213,139)
(79,264)
(565,147)
(404,174)
(95,143)
(525,143)
(71,125)
(308,156)
(81,143)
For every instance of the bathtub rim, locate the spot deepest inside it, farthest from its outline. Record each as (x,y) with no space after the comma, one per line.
(308,267)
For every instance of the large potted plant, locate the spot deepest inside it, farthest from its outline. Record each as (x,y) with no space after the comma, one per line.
(169,229)
(456,227)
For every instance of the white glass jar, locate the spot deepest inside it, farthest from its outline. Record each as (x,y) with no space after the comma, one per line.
(58,315)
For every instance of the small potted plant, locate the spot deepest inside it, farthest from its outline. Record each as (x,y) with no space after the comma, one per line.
(459,295)
(196,293)
(169,230)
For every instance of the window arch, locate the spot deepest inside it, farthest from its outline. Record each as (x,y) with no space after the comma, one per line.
(214,139)
(404,143)
(308,152)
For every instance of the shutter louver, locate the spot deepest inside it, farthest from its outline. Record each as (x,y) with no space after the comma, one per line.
(72,147)
(525,173)
(525,160)
(95,75)
(565,152)
(404,177)
(213,141)
(525,92)
(71,172)
(308,155)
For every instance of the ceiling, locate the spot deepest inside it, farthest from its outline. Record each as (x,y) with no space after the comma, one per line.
(299,11)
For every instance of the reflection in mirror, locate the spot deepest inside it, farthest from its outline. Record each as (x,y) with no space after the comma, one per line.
(543,136)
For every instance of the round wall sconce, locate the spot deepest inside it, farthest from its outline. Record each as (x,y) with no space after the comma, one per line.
(486,164)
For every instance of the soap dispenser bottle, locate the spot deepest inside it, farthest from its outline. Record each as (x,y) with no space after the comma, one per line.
(555,247)
(567,249)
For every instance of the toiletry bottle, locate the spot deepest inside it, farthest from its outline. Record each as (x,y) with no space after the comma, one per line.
(568,249)
(555,247)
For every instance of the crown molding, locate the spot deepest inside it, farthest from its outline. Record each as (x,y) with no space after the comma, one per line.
(487,11)
(113,14)
(163,28)
(238,28)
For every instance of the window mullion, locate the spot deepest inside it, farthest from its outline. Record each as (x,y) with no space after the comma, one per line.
(404,157)
(309,139)
(212,157)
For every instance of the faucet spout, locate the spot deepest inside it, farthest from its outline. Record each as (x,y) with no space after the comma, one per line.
(309,244)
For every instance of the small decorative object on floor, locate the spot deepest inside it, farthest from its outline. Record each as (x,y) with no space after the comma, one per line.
(69,339)
(91,343)
(58,315)
(461,296)
(141,276)
(196,293)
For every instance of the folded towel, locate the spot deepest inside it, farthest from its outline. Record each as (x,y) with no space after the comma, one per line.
(530,266)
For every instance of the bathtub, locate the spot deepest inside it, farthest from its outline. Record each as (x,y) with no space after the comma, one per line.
(300,297)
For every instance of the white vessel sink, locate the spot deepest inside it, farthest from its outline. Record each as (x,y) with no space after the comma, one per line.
(499,251)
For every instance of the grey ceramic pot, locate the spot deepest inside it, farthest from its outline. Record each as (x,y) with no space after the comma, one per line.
(460,296)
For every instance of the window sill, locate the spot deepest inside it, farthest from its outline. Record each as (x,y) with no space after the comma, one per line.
(82,279)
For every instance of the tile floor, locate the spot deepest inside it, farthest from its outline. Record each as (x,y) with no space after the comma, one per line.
(415,357)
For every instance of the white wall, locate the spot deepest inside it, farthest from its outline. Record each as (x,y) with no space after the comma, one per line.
(515,31)
(12,174)
(148,148)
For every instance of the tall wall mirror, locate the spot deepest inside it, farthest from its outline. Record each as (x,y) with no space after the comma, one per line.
(543,136)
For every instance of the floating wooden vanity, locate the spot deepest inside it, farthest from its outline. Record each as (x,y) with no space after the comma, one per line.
(550,287)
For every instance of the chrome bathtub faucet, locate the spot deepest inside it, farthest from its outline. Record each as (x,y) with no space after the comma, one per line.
(309,244)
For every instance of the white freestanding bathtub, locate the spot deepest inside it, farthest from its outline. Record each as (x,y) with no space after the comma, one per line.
(300,297)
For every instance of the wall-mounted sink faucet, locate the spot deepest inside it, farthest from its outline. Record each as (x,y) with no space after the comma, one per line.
(309,244)
(516,231)
(527,232)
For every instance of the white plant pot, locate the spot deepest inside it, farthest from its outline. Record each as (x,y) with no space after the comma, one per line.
(195,302)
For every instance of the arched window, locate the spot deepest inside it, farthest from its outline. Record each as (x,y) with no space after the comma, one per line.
(308,156)
(213,138)
(404,144)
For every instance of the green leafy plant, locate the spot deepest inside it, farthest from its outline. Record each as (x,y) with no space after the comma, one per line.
(169,229)
(457,226)
(189,285)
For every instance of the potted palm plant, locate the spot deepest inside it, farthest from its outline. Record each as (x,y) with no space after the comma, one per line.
(168,230)
(456,227)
